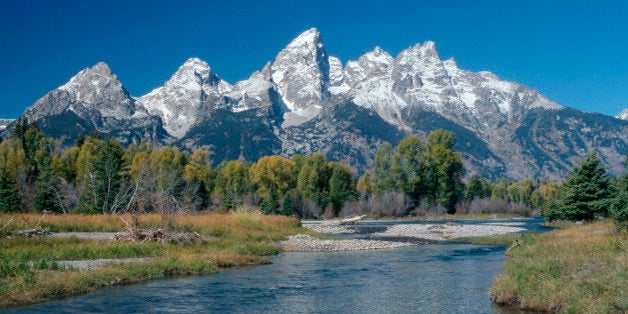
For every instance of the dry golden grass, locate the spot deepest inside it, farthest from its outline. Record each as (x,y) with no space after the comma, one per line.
(578,269)
(27,266)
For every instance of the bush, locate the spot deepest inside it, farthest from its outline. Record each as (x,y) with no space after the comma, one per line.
(493,206)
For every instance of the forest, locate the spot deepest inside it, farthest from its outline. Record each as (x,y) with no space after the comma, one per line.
(99,175)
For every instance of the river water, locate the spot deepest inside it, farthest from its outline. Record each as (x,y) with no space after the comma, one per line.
(431,278)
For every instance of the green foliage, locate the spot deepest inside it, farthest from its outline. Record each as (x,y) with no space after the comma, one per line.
(443,170)
(585,194)
(341,186)
(382,179)
(9,194)
(478,188)
(313,180)
(107,181)
(619,207)
(407,167)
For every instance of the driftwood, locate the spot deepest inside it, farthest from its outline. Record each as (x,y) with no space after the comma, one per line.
(37,231)
(349,221)
(158,235)
(346,221)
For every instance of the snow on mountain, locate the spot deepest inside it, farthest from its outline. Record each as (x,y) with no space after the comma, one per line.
(4,123)
(253,92)
(178,100)
(345,111)
(92,89)
(623,115)
(301,73)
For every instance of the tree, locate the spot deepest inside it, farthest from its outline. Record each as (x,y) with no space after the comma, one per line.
(197,172)
(619,208)
(407,169)
(273,173)
(364,185)
(587,192)
(9,194)
(106,182)
(477,188)
(443,169)
(341,186)
(382,179)
(313,180)
(233,182)
(500,189)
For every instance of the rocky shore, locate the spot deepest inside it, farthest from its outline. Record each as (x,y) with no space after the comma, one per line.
(306,243)
(398,235)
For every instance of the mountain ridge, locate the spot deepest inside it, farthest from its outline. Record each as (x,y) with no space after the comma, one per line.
(306,100)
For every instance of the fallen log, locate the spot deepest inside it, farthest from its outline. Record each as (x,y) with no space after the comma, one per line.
(349,221)
(37,231)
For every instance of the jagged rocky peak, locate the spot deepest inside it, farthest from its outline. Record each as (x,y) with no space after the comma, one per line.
(196,74)
(177,102)
(301,74)
(375,63)
(95,88)
(253,92)
(335,71)
(420,76)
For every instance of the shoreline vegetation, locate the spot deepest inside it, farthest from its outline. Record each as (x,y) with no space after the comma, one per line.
(81,256)
(581,268)
(36,269)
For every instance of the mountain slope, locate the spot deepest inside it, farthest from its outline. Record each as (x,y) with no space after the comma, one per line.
(307,101)
(94,99)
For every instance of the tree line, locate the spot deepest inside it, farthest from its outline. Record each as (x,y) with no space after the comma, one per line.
(100,176)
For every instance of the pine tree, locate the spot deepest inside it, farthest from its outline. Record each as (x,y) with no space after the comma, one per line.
(341,186)
(9,195)
(587,192)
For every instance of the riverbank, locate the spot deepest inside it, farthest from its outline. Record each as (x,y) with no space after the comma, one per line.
(397,235)
(39,269)
(581,268)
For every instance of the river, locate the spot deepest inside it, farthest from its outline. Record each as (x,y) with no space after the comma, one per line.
(431,278)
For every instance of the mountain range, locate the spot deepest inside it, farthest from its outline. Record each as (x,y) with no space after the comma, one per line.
(308,101)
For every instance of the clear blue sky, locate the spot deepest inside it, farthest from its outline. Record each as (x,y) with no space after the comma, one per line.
(574,52)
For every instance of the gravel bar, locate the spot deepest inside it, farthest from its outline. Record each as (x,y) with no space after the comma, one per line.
(307,243)
(443,232)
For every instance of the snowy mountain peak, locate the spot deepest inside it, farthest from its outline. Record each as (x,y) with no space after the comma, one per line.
(177,102)
(194,74)
(301,74)
(623,115)
(98,75)
(307,38)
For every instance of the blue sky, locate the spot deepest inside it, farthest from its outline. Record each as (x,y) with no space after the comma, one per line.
(574,52)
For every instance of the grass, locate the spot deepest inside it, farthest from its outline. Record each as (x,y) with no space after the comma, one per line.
(29,272)
(582,268)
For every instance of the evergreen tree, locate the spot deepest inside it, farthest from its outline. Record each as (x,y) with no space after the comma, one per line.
(619,208)
(287,206)
(45,197)
(477,188)
(80,139)
(9,194)
(341,186)
(587,192)
(106,171)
